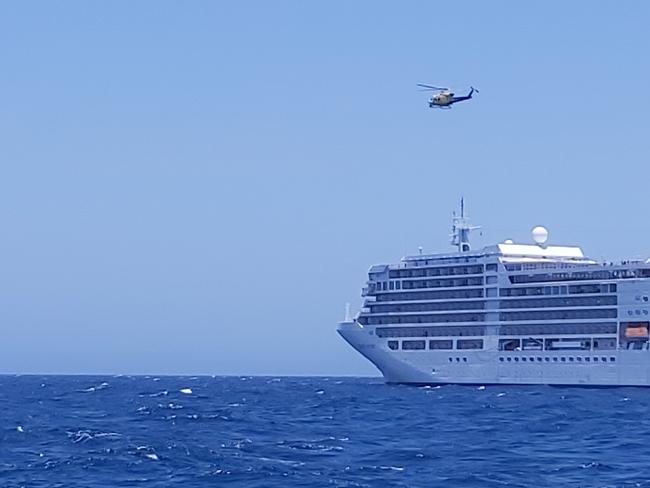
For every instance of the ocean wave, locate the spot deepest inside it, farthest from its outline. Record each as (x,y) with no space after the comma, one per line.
(359,432)
(101,386)
(86,435)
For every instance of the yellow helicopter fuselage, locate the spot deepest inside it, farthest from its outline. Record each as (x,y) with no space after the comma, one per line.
(442,99)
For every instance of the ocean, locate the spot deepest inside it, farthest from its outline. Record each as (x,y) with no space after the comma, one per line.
(146,431)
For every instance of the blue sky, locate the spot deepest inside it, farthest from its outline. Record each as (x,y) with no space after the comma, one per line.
(200,187)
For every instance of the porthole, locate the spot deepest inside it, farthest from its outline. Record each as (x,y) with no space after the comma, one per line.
(501,359)
(516,359)
(612,359)
(508,359)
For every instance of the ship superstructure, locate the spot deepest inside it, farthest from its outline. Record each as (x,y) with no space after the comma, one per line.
(507,313)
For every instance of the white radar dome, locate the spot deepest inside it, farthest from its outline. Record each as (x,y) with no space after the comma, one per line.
(508,241)
(540,235)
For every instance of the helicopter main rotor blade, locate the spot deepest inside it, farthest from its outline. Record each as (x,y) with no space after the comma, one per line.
(432,87)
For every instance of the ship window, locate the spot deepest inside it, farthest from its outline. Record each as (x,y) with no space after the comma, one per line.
(491,292)
(490,280)
(555,360)
(501,359)
(603,359)
(441,344)
(509,359)
(391,285)
(567,344)
(458,360)
(612,288)
(469,344)
(528,344)
(509,344)
(491,267)
(398,285)
(595,360)
(413,345)
(428,318)
(579,359)
(559,302)
(587,359)
(392,345)
(571,359)
(524,359)
(558,314)
(584,289)
(425,307)
(516,359)
(464,360)
(450,360)
(547,359)
(604,343)
(539,360)
(612,359)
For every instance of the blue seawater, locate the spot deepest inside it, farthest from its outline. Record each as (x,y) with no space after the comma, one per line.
(83,431)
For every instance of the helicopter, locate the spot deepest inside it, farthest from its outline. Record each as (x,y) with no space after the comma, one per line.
(445,98)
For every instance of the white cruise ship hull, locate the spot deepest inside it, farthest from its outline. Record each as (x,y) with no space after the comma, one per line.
(506,314)
(485,367)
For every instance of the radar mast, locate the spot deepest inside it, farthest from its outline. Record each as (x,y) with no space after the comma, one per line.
(460,229)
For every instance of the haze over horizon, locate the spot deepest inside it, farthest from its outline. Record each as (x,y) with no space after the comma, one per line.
(200,189)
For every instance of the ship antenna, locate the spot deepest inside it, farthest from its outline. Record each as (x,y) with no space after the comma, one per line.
(460,229)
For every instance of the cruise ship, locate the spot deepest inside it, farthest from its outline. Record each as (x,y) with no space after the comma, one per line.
(510,313)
